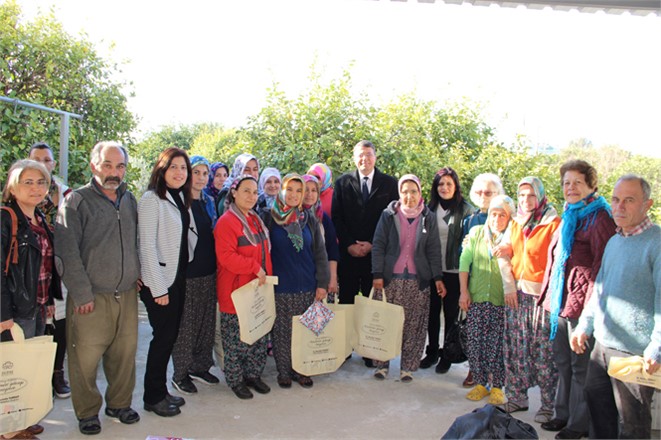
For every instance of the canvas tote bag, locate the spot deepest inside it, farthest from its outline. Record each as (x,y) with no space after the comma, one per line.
(311,354)
(26,369)
(378,326)
(349,332)
(255,309)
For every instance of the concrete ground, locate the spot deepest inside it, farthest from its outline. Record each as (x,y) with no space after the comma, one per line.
(348,404)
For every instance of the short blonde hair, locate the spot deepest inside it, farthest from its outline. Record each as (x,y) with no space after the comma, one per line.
(15,173)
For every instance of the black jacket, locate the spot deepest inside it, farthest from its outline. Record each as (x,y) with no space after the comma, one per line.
(18,294)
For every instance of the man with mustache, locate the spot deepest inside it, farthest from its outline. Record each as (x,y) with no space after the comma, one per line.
(96,241)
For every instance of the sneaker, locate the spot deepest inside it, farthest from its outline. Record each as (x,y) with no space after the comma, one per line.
(477,393)
(185,385)
(60,386)
(496,396)
(205,377)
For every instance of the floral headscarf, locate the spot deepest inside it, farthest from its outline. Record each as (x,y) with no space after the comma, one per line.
(291,218)
(210,189)
(316,208)
(529,220)
(322,172)
(259,224)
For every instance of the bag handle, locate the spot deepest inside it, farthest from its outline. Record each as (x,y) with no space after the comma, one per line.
(383,294)
(17,333)
(12,256)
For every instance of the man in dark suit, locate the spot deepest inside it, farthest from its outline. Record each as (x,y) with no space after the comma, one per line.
(359,198)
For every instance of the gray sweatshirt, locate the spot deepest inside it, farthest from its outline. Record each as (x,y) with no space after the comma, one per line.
(96,243)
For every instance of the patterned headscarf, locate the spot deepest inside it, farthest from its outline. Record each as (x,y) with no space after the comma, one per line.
(292,218)
(316,208)
(266,175)
(210,189)
(529,220)
(494,238)
(237,169)
(259,224)
(324,174)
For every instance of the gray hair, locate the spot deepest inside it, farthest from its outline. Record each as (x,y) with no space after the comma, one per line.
(15,173)
(647,189)
(95,157)
(485,178)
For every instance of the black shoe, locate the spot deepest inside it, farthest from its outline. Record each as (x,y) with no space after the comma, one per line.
(241,391)
(175,400)
(89,425)
(163,408)
(443,366)
(258,385)
(429,360)
(369,363)
(205,377)
(284,382)
(554,425)
(61,388)
(185,386)
(568,433)
(125,415)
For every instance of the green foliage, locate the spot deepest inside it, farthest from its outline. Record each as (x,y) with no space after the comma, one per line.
(42,64)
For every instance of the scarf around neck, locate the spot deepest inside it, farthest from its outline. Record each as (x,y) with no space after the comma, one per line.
(259,224)
(291,218)
(583,212)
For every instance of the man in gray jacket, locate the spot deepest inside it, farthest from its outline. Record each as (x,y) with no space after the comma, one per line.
(96,247)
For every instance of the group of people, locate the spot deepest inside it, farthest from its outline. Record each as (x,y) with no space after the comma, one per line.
(548,299)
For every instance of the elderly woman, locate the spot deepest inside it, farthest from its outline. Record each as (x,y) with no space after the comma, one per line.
(192,352)
(168,237)
(218,173)
(574,261)
(322,172)
(301,264)
(447,202)
(312,204)
(244,163)
(483,299)
(485,187)
(29,281)
(406,257)
(527,348)
(269,187)
(243,249)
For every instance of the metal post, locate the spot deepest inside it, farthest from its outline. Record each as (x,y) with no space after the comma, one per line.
(64,147)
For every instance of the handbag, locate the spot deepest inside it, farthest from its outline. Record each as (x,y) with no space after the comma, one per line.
(25,382)
(255,309)
(378,326)
(313,354)
(455,342)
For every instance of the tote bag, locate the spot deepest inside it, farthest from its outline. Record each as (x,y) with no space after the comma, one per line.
(311,354)
(255,309)
(378,326)
(26,369)
(349,332)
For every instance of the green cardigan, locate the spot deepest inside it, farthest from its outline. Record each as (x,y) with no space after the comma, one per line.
(485,283)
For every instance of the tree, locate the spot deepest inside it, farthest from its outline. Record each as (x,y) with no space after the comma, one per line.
(42,64)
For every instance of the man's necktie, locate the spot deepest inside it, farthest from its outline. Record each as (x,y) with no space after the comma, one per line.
(366,192)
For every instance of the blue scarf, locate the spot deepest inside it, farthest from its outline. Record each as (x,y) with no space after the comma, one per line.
(574,214)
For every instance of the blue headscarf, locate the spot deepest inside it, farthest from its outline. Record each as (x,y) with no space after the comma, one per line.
(209,204)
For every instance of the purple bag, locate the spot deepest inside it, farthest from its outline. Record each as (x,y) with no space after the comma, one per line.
(316,317)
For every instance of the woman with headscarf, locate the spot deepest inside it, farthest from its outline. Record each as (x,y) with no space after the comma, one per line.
(244,163)
(483,300)
(243,249)
(322,172)
(574,261)
(269,187)
(527,348)
(218,173)
(451,209)
(406,257)
(312,204)
(300,262)
(192,352)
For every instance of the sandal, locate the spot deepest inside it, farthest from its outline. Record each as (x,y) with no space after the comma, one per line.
(406,376)
(544,415)
(381,373)
(305,381)
(512,406)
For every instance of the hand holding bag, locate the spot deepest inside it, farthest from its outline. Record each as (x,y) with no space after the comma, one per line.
(378,326)
(313,354)
(255,309)
(25,380)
